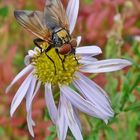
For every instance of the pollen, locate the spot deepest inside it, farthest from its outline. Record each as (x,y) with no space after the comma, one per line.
(53,68)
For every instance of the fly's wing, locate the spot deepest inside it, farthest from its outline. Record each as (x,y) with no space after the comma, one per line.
(33,22)
(55,15)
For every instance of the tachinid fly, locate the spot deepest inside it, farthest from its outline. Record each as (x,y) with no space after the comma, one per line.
(50,26)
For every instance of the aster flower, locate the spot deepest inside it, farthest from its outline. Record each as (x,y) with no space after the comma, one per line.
(88,98)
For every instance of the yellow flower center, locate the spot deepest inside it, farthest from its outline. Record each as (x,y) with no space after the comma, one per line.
(56,72)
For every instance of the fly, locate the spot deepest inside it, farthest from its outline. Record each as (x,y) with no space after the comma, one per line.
(50,26)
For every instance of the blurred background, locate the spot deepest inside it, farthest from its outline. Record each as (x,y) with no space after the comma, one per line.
(114,25)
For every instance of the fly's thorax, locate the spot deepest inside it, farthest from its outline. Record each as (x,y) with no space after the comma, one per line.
(60,37)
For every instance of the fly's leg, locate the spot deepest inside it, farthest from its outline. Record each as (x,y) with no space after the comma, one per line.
(36,41)
(76,59)
(52,62)
(62,60)
(48,49)
(73,52)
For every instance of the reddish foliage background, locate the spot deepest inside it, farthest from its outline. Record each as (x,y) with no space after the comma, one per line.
(96,19)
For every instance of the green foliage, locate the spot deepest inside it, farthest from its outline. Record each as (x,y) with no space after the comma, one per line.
(133,107)
(53,134)
(1,130)
(88,1)
(46,116)
(18,61)
(4,11)
(52,128)
(124,101)
(111,48)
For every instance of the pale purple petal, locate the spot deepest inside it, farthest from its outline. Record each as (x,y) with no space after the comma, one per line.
(79,38)
(87,60)
(88,50)
(33,92)
(77,118)
(30,123)
(36,49)
(27,60)
(94,85)
(33,123)
(62,126)
(70,119)
(72,13)
(21,74)
(105,66)
(30,94)
(92,93)
(50,103)
(36,90)
(81,103)
(31,53)
(20,94)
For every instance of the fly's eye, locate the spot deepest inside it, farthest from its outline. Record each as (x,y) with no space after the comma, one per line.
(57,41)
(55,38)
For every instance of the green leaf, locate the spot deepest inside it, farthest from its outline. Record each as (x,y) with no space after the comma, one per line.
(88,1)
(135,83)
(132,126)
(51,137)
(110,134)
(116,102)
(138,23)
(1,130)
(4,11)
(138,89)
(18,61)
(134,106)
(132,98)
(111,48)
(52,129)
(47,116)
